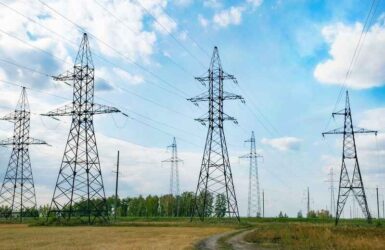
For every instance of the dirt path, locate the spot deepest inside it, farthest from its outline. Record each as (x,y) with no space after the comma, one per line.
(235,241)
(211,243)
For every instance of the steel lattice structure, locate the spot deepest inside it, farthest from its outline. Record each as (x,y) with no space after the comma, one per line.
(79,190)
(215,177)
(17,193)
(174,171)
(254,195)
(350,183)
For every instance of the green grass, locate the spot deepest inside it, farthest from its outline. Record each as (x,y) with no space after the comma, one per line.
(353,234)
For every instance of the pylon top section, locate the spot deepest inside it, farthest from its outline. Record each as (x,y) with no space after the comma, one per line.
(215,60)
(22,104)
(84,56)
(215,95)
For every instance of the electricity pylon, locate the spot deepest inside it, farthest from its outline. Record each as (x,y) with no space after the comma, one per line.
(79,190)
(331,187)
(215,182)
(17,193)
(254,195)
(174,173)
(354,183)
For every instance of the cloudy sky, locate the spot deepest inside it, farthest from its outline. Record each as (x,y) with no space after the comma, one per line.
(290,58)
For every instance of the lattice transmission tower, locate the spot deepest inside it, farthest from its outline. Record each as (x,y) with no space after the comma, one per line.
(331,187)
(174,171)
(254,194)
(17,194)
(350,175)
(79,190)
(215,186)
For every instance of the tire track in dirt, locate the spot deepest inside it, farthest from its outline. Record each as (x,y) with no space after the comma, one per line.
(233,240)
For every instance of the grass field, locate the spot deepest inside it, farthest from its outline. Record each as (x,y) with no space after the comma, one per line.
(21,236)
(180,233)
(317,236)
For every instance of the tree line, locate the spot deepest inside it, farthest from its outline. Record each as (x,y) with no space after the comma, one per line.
(148,206)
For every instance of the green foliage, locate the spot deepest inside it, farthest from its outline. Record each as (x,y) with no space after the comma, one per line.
(220,205)
(322,214)
(299,214)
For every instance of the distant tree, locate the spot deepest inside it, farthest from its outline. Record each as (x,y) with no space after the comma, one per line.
(323,214)
(220,205)
(311,214)
(299,214)
(280,215)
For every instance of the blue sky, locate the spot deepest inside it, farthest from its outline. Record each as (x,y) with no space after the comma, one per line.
(289,58)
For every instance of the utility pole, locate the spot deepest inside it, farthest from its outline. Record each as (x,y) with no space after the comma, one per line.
(174,173)
(263,203)
(17,192)
(116,186)
(215,177)
(354,185)
(80,176)
(378,205)
(383,209)
(351,216)
(254,195)
(308,201)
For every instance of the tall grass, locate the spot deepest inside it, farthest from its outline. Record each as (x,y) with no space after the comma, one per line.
(296,235)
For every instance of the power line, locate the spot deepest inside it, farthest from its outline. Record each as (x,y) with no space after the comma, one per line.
(192,39)
(129,111)
(113,49)
(33,46)
(355,54)
(135,33)
(73,44)
(23,67)
(125,90)
(170,34)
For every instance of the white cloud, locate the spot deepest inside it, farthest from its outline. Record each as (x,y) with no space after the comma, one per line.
(232,16)
(203,21)
(212,4)
(367,72)
(165,25)
(130,36)
(283,143)
(127,77)
(183,35)
(255,3)
(373,119)
(183,3)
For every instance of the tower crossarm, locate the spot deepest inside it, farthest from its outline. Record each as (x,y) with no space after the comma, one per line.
(226,117)
(227,76)
(68,110)
(104,109)
(336,131)
(173,160)
(251,155)
(203,79)
(29,141)
(67,76)
(11,117)
(364,131)
(204,97)
(340,131)
(231,96)
(341,112)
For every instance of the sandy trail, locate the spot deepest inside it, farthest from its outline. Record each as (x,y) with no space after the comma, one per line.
(235,241)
